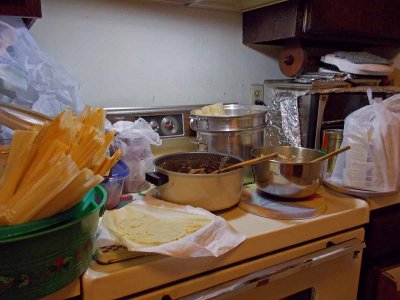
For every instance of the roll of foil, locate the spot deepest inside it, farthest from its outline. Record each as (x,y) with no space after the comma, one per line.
(283,122)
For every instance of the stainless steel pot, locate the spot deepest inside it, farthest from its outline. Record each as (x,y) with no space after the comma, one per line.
(234,143)
(241,130)
(238,118)
(290,175)
(210,191)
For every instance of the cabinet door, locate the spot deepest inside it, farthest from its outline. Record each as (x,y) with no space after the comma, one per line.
(382,232)
(336,23)
(353,19)
(28,9)
(272,24)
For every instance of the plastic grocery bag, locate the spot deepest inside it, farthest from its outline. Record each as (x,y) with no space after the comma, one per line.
(30,77)
(13,78)
(373,162)
(135,140)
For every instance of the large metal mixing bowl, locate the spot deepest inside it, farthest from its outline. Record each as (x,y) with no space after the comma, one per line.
(290,175)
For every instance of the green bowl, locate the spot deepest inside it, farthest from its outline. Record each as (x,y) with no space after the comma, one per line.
(39,263)
(7,232)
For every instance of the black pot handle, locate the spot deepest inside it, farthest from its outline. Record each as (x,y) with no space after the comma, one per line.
(156,178)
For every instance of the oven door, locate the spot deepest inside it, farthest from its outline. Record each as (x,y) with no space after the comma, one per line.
(324,269)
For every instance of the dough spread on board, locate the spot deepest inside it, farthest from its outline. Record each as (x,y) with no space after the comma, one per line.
(149,226)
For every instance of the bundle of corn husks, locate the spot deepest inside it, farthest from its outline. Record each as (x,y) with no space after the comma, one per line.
(51,167)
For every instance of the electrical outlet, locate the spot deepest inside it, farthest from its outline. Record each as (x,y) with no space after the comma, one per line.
(257,93)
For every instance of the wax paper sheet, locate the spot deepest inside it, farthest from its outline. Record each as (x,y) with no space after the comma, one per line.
(214,239)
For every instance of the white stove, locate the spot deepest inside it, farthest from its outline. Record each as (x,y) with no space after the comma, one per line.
(313,258)
(269,243)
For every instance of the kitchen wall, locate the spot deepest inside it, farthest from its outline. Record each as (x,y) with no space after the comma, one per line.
(143,53)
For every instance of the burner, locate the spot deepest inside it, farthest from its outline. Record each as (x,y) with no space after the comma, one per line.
(259,203)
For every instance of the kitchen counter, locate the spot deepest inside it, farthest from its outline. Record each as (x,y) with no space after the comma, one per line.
(383,201)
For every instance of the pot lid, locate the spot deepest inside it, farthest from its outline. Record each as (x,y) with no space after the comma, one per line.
(264,205)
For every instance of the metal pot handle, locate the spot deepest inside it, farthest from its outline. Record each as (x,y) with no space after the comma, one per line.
(201,146)
(199,123)
(156,178)
(193,123)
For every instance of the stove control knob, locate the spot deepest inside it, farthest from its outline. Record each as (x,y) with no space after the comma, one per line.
(169,125)
(154,125)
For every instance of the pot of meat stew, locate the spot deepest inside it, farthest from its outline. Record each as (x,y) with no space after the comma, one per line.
(187,178)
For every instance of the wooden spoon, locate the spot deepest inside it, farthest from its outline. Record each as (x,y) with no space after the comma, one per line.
(330,154)
(246,163)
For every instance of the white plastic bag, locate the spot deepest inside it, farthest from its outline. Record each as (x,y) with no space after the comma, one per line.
(135,140)
(373,162)
(13,78)
(30,77)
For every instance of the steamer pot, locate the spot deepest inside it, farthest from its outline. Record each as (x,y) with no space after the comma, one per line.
(238,118)
(242,129)
(209,191)
(293,177)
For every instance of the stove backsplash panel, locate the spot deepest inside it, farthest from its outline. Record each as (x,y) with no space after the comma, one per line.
(168,122)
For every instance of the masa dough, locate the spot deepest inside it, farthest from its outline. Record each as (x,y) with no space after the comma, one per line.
(148,226)
(216,109)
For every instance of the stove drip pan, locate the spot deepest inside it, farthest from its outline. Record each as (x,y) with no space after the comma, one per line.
(259,203)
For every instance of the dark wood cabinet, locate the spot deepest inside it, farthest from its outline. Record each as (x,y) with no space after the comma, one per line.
(382,251)
(320,22)
(29,10)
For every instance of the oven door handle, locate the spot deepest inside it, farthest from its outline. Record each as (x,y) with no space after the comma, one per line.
(273,273)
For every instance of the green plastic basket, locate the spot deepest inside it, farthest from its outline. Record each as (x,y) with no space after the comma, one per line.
(7,232)
(37,264)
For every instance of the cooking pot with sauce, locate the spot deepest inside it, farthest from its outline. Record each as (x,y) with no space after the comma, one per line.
(291,174)
(185,178)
